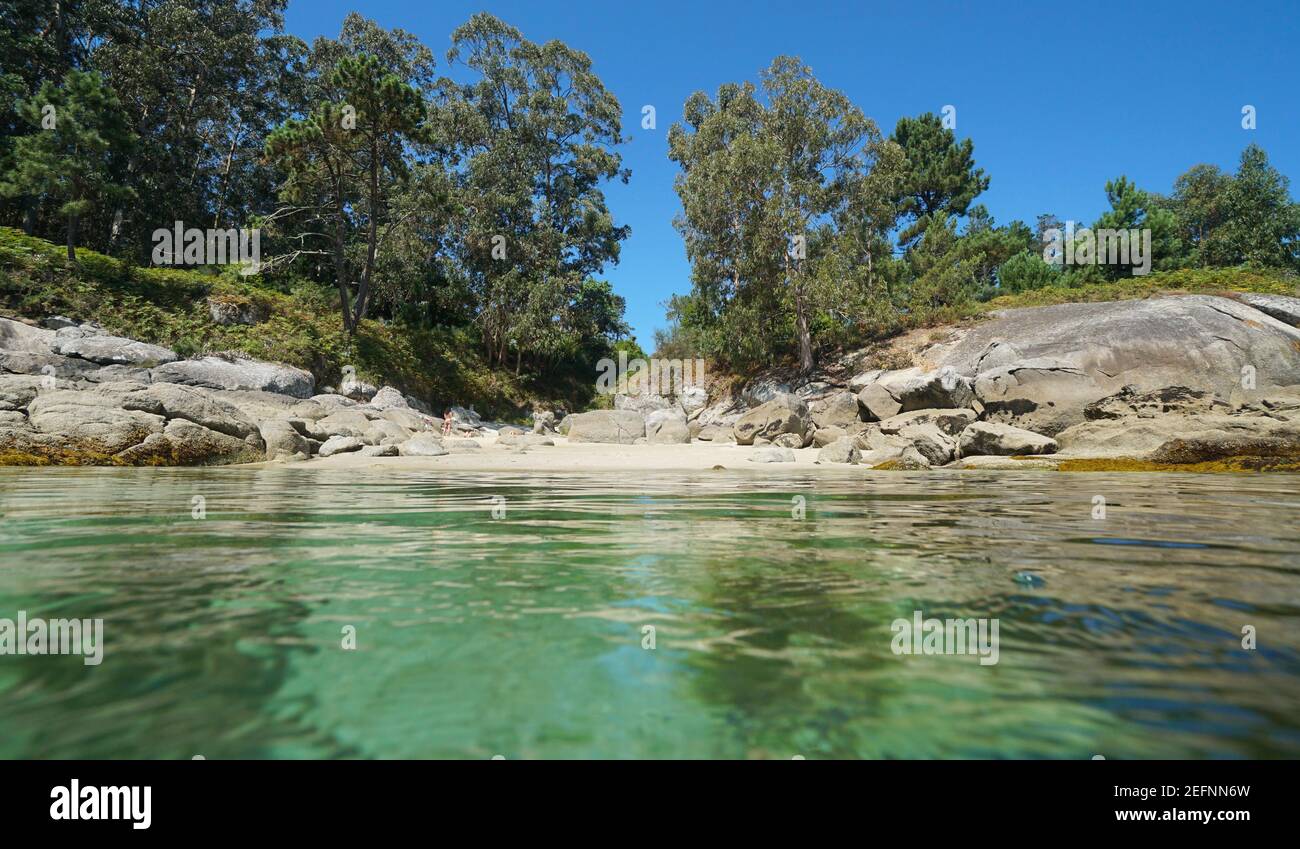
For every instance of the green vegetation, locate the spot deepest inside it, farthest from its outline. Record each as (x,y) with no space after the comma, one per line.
(444,235)
(170,307)
(894,239)
(446,232)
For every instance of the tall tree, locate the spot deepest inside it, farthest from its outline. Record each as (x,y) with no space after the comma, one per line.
(204,82)
(1261,223)
(75,154)
(940,175)
(536,134)
(345,163)
(766,189)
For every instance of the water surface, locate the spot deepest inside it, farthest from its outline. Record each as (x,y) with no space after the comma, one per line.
(522,636)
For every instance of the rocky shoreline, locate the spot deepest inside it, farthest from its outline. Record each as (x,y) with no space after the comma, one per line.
(1196,381)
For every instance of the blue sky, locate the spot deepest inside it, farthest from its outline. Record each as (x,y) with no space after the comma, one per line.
(1056,101)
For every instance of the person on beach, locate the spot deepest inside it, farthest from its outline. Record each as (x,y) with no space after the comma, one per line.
(446,423)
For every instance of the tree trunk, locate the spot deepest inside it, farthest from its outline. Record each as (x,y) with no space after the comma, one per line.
(800,318)
(72,238)
(805,338)
(341,274)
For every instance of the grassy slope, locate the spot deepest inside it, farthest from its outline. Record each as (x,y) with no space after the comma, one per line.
(303,328)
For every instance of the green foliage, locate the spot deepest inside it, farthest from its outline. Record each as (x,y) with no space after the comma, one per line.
(774,190)
(343,165)
(1025,271)
(535,135)
(940,177)
(76,153)
(169,307)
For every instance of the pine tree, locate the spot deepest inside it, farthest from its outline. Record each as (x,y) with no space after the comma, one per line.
(76,153)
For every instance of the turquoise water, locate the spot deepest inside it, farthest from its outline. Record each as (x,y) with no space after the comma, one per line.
(521,636)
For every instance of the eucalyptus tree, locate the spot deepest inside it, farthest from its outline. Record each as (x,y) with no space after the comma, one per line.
(203,82)
(770,187)
(534,134)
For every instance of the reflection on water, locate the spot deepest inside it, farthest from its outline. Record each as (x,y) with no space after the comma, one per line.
(522,636)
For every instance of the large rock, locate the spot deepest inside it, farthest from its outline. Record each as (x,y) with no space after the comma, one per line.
(1043,395)
(422,445)
(182,402)
(340,445)
(693,398)
(667,427)
(937,447)
(1003,439)
(16,336)
(355,388)
(877,447)
(1075,354)
(878,403)
(643,403)
(53,365)
(18,390)
(824,436)
(385,432)
(283,440)
(184,443)
(716,433)
(763,389)
(619,426)
(543,421)
(109,350)
(839,410)
(951,422)
(262,406)
(772,454)
(1281,307)
(1129,402)
(785,413)
(409,419)
(237,373)
(942,389)
(910,460)
(883,397)
(388,398)
(840,451)
(91,423)
(1143,438)
(343,423)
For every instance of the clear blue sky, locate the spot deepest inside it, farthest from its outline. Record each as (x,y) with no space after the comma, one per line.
(1058,98)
